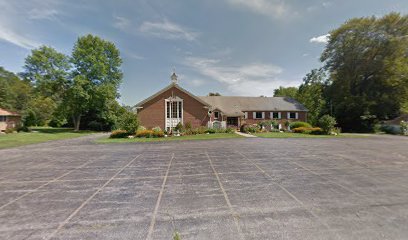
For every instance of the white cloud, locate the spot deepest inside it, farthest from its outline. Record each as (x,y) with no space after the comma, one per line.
(47,14)
(272,8)
(135,56)
(320,39)
(327,4)
(167,30)
(9,35)
(253,79)
(15,16)
(121,23)
(317,7)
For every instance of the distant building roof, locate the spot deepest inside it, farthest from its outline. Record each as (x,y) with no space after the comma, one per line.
(234,105)
(4,112)
(397,120)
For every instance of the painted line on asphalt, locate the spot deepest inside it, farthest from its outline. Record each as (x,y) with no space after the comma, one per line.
(61,225)
(86,180)
(234,214)
(287,191)
(371,170)
(156,208)
(342,186)
(45,184)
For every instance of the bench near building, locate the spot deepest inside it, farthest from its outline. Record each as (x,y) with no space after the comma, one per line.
(173,105)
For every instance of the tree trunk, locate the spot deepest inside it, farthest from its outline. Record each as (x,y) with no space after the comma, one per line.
(77,121)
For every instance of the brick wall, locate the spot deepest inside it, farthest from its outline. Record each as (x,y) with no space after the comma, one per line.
(153,112)
(12,122)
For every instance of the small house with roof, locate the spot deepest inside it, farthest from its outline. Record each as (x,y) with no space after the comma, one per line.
(9,120)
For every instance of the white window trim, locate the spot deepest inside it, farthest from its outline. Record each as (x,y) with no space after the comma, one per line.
(296,115)
(246,115)
(279,115)
(254,115)
(176,99)
(218,114)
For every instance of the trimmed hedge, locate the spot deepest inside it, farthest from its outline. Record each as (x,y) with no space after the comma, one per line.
(294,125)
(315,131)
(149,134)
(119,134)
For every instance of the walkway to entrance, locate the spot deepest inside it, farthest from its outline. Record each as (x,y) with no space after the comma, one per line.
(245,135)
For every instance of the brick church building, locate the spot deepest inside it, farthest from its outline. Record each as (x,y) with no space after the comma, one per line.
(173,104)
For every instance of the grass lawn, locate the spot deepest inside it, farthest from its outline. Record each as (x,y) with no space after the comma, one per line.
(301,135)
(189,137)
(38,135)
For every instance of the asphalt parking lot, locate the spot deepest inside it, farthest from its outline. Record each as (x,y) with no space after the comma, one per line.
(345,188)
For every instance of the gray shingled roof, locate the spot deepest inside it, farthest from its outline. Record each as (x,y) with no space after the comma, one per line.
(234,106)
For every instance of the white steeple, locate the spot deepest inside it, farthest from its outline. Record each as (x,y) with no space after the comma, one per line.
(174,77)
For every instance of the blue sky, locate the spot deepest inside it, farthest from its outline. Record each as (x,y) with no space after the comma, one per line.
(235,47)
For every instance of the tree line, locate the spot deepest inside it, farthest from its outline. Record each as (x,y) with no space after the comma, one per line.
(363,80)
(59,90)
(364,75)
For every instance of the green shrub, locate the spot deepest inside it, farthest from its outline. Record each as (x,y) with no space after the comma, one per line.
(144,133)
(377,128)
(246,128)
(229,130)
(404,127)
(156,129)
(176,236)
(327,123)
(263,124)
(158,134)
(187,126)
(199,130)
(211,130)
(294,125)
(141,128)
(317,131)
(119,134)
(336,130)
(23,129)
(128,121)
(179,127)
(57,122)
(149,134)
(10,130)
(274,123)
(390,129)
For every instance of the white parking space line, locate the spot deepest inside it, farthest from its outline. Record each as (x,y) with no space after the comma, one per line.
(287,191)
(45,184)
(61,225)
(156,208)
(234,214)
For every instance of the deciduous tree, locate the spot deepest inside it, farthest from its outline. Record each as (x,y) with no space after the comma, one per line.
(368,63)
(95,79)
